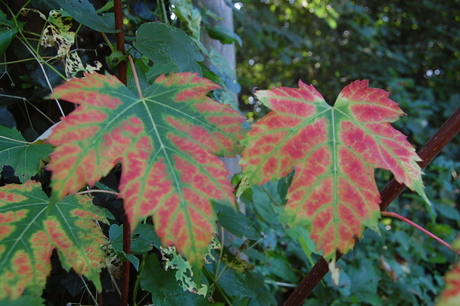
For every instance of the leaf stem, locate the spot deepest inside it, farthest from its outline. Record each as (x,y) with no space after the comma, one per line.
(98,190)
(107,41)
(165,16)
(40,63)
(15,140)
(210,276)
(395,215)
(136,79)
(138,280)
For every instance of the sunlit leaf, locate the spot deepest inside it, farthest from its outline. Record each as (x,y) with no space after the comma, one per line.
(334,151)
(30,231)
(166,142)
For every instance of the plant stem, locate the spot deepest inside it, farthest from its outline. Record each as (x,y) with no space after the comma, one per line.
(165,16)
(126,264)
(126,226)
(136,78)
(98,190)
(427,153)
(395,215)
(138,280)
(120,39)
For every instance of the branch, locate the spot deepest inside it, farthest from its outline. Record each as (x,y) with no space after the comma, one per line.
(126,226)
(427,153)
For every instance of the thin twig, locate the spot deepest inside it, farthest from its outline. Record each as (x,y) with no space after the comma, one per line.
(44,74)
(395,215)
(89,291)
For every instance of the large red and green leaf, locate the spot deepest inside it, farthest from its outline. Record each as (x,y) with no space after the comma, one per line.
(167,142)
(334,151)
(30,230)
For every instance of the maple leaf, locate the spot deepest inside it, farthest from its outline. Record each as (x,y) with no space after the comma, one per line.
(30,231)
(334,151)
(451,294)
(166,142)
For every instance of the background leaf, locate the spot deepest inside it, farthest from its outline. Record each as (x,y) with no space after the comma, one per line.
(451,295)
(24,157)
(83,12)
(236,222)
(168,47)
(6,36)
(334,151)
(30,230)
(164,287)
(142,239)
(166,142)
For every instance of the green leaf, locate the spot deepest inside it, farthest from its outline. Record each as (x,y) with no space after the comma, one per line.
(30,230)
(167,143)
(168,47)
(6,36)
(83,12)
(223,34)
(5,21)
(187,12)
(232,283)
(142,239)
(236,222)
(24,300)
(24,157)
(164,287)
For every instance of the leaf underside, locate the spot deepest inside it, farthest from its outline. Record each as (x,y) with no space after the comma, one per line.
(30,231)
(334,151)
(166,143)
